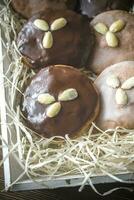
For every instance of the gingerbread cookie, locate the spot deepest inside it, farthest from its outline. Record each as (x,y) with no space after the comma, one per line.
(95,7)
(60,37)
(28,8)
(114,33)
(60,100)
(116,87)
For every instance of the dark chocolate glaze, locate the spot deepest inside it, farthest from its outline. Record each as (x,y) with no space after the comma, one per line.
(72,45)
(28,8)
(74,114)
(94,7)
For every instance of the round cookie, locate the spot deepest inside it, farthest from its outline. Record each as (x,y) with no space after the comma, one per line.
(60,100)
(116,87)
(59,37)
(95,7)
(28,8)
(114,33)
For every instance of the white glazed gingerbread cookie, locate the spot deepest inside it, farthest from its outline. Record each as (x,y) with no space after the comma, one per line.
(116,87)
(114,33)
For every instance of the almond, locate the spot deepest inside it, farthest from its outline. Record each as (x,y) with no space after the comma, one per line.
(47,40)
(121,97)
(117,26)
(101,28)
(68,95)
(128,84)
(111,39)
(58,24)
(53,110)
(41,24)
(113,81)
(45,98)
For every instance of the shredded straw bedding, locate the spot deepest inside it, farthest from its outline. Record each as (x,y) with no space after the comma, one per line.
(102,153)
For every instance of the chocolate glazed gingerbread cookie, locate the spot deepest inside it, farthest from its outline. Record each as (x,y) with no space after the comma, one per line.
(54,37)
(94,7)
(28,8)
(60,100)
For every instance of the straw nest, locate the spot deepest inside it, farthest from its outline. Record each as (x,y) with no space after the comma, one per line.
(104,153)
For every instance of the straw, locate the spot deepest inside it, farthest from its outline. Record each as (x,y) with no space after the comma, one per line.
(108,152)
